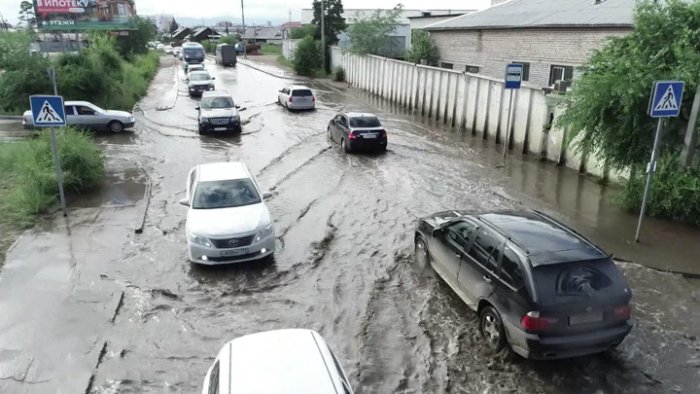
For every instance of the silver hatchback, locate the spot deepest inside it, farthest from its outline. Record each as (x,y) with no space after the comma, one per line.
(86,115)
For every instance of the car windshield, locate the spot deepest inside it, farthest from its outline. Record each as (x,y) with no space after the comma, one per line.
(217,102)
(193,52)
(225,194)
(199,77)
(365,121)
(302,93)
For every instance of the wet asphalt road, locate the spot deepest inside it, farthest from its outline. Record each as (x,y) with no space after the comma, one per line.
(344,260)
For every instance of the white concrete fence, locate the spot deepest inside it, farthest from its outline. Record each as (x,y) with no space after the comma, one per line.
(470,103)
(288,48)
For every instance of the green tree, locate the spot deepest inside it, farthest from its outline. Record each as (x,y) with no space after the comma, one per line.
(422,47)
(333,21)
(307,57)
(606,112)
(372,35)
(26,14)
(307,30)
(136,42)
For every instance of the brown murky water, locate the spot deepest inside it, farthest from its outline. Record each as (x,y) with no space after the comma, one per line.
(344,260)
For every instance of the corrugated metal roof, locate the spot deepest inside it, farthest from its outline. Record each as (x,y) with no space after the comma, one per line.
(545,13)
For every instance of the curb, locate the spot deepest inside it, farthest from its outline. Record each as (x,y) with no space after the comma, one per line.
(10,117)
(248,61)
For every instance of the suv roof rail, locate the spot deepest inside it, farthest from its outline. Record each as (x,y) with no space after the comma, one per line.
(498,230)
(567,229)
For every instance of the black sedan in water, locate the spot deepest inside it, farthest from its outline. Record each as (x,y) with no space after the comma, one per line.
(538,287)
(357,131)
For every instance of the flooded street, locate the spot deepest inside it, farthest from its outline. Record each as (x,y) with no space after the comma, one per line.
(140,318)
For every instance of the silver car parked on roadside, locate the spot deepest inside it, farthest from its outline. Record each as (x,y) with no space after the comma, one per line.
(86,115)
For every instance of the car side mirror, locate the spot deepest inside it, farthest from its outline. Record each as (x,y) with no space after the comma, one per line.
(213,78)
(237,106)
(267,195)
(197,108)
(185,202)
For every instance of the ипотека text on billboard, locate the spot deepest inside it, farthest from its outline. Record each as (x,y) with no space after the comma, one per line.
(67,15)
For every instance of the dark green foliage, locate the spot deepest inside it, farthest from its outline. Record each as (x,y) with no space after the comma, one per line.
(339,74)
(675,193)
(372,35)
(422,47)
(333,21)
(307,57)
(98,74)
(304,31)
(607,110)
(29,173)
(136,43)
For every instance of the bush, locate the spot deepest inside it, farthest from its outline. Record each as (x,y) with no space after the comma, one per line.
(307,57)
(29,173)
(304,31)
(339,74)
(675,192)
(98,74)
(209,46)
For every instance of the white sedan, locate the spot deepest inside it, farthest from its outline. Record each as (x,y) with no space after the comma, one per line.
(282,361)
(227,220)
(86,115)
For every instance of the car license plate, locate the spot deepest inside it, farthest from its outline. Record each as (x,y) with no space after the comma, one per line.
(219,128)
(234,252)
(369,136)
(586,318)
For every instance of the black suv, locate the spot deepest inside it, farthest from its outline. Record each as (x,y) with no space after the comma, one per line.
(218,113)
(537,286)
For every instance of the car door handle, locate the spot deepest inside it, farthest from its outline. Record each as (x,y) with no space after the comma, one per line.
(459,256)
(487,278)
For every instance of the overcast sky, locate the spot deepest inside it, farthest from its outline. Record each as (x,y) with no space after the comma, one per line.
(258,10)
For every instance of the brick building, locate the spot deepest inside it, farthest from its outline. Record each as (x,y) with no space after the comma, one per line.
(551,38)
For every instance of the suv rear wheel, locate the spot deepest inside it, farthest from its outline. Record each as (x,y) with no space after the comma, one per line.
(491,328)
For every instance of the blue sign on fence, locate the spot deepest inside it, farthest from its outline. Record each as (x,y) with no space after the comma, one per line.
(514,76)
(666,98)
(47,111)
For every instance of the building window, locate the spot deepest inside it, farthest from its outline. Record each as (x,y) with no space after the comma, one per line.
(526,70)
(447,65)
(560,73)
(471,69)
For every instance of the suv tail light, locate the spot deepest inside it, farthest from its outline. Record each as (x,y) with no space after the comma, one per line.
(352,135)
(622,312)
(314,98)
(533,322)
(290,99)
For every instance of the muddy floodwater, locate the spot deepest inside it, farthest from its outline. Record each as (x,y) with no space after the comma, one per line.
(90,303)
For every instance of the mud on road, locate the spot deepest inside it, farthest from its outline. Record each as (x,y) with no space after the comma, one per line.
(344,264)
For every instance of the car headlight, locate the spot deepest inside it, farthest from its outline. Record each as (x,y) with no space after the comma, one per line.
(236,118)
(200,240)
(203,119)
(264,233)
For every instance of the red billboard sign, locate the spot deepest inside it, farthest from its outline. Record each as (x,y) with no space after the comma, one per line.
(84,14)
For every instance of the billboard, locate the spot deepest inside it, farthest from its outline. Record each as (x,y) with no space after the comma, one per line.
(74,15)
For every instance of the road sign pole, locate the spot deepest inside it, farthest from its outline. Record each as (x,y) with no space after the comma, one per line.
(54,149)
(510,111)
(650,176)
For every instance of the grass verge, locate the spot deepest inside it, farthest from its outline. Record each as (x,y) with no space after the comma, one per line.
(28,187)
(284,61)
(271,49)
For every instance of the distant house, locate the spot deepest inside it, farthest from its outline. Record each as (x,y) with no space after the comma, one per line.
(400,37)
(550,38)
(204,33)
(181,33)
(269,35)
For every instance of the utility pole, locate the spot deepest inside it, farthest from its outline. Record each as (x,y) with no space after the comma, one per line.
(323,36)
(245,49)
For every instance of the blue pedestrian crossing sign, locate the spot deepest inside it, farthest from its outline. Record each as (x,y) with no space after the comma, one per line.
(47,111)
(666,98)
